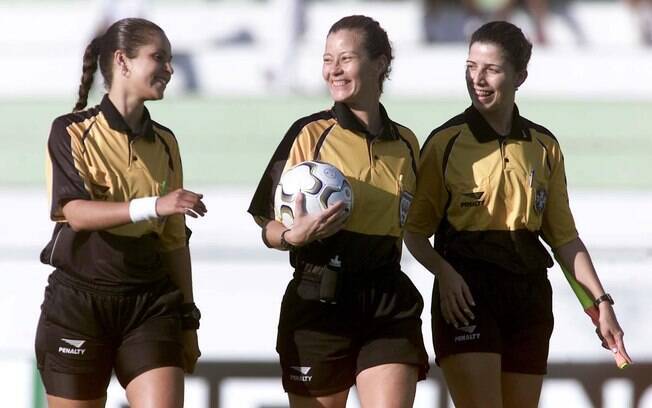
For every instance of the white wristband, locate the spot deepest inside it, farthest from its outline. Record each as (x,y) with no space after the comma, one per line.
(141,209)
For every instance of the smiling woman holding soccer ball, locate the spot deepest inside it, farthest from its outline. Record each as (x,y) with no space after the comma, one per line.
(490,184)
(349,315)
(120,298)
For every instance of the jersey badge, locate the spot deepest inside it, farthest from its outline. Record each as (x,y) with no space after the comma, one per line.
(404,206)
(540,198)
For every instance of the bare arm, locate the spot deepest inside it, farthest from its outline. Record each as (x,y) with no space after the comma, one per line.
(87,215)
(177,263)
(419,246)
(455,297)
(577,260)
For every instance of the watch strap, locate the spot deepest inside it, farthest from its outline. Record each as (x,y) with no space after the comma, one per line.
(285,245)
(604,298)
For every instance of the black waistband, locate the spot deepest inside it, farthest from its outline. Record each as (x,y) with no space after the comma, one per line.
(78,282)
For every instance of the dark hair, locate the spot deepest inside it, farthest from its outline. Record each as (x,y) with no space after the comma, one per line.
(376,42)
(510,38)
(128,35)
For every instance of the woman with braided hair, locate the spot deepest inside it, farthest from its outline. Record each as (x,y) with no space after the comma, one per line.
(120,297)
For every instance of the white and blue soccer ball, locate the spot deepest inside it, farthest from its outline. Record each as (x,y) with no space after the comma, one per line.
(321,183)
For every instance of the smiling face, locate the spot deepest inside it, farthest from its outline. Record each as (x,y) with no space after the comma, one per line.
(491,79)
(352,77)
(150,70)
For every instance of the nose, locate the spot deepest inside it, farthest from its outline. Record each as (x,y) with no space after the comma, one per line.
(336,68)
(168,67)
(478,76)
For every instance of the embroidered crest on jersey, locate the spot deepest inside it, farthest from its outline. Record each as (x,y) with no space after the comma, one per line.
(540,198)
(404,206)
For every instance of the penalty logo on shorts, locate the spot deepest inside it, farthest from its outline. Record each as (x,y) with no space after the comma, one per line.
(469,334)
(301,374)
(76,348)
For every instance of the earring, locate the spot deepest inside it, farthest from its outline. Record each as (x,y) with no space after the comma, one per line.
(125,71)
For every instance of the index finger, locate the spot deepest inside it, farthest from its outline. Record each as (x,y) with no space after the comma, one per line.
(620,345)
(331,210)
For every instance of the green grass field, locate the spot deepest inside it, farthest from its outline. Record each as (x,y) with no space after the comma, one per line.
(607,145)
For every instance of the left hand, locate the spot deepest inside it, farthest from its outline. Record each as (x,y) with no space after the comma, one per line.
(310,227)
(190,350)
(610,332)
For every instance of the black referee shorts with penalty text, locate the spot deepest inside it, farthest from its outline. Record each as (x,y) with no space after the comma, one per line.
(323,347)
(513,317)
(86,330)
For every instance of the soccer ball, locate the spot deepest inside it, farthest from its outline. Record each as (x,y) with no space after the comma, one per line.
(322,184)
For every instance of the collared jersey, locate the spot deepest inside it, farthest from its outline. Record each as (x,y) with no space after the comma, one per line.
(93,155)
(380,169)
(490,197)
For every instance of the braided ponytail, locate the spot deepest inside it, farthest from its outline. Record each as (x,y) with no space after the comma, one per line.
(128,35)
(89,66)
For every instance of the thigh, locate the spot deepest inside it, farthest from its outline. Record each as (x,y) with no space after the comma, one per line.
(521,390)
(160,387)
(481,335)
(474,379)
(391,331)
(58,402)
(74,356)
(337,400)
(315,344)
(154,337)
(388,385)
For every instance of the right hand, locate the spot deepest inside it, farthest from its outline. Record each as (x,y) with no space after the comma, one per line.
(311,227)
(455,297)
(181,202)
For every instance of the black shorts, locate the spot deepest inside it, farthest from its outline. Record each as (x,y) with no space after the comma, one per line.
(85,331)
(513,317)
(323,347)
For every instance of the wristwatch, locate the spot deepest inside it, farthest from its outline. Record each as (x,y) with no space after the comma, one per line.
(604,298)
(285,245)
(190,316)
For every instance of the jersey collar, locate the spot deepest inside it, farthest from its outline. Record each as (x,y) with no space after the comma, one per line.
(347,120)
(117,122)
(484,133)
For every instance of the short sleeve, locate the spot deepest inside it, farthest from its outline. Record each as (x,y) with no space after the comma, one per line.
(558,225)
(296,147)
(66,170)
(428,205)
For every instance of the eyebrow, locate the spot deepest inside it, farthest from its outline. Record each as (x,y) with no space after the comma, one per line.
(163,52)
(491,65)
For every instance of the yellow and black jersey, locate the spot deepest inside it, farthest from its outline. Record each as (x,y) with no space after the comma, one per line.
(93,155)
(381,170)
(489,197)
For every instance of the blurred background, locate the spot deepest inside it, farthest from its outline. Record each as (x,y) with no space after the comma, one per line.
(244,71)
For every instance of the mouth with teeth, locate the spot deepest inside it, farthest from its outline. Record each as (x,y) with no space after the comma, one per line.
(483,95)
(161,81)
